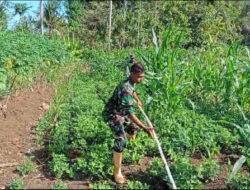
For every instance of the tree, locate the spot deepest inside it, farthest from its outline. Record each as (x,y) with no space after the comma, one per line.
(20,9)
(41,15)
(74,13)
(110,22)
(3,15)
(95,23)
(52,18)
(130,23)
(245,20)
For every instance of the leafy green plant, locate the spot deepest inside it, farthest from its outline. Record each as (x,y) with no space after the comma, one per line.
(24,57)
(183,173)
(157,167)
(60,185)
(101,185)
(237,167)
(3,78)
(27,167)
(137,185)
(81,142)
(73,46)
(3,81)
(188,133)
(17,184)
(208,170)
(240,181)
(60,165)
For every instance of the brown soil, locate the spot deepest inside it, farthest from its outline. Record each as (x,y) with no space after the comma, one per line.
(24,108)
(220,181)
(195,161)
(18,121)
(139,172)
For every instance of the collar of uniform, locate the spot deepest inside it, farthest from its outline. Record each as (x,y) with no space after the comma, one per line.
(131,81)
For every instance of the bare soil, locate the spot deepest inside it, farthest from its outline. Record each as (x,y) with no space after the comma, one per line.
(139,172)
(21,114)
(18,121)
(219,182)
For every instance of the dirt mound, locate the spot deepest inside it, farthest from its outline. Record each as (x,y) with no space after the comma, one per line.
(17,119)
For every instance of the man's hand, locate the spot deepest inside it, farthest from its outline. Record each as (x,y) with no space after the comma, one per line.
(137,100)
(149,132)
(133,117)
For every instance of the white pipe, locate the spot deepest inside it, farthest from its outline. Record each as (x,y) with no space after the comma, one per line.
(160,149)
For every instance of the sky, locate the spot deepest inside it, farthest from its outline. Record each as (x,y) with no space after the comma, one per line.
(34,4)
(33,11)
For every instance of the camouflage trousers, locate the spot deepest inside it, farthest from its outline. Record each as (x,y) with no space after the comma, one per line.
(121,125)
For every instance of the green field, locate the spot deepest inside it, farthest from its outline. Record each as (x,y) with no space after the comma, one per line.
(198,108)
(196,92)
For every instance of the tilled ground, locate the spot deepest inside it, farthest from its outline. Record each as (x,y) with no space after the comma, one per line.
(17,121)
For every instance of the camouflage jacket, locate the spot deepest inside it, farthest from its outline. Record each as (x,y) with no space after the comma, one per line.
(122,100)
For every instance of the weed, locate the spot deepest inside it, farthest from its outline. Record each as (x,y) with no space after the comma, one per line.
(27,167)
(60,185)
(17,184)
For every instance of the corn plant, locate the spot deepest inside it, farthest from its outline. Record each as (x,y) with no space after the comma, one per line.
(237,167)
(164,71)
(230,72)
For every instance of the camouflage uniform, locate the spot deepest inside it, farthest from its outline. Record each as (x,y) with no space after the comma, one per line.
(117,111)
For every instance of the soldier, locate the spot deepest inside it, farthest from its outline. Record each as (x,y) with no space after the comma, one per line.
(120,114)
(128,64)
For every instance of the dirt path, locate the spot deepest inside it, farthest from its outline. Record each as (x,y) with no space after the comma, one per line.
(24,108)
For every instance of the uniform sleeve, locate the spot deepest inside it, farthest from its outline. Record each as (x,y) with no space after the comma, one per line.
(128,100)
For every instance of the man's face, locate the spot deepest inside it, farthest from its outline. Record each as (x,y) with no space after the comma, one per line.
(137,77)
